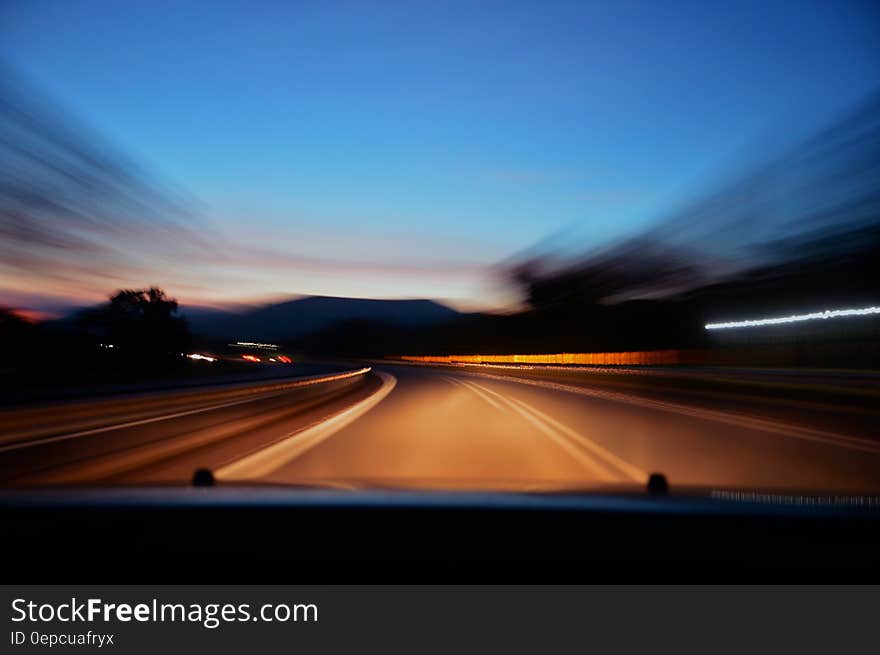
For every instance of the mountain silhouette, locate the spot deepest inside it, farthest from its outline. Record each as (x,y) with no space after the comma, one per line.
(293,319)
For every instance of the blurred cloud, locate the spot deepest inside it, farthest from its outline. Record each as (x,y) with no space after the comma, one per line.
(814,207)
(70,205)
(79,219)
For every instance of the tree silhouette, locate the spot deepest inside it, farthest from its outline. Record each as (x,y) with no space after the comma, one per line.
(141,324)
(17,336)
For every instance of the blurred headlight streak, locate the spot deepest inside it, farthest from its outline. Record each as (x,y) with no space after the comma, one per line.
(797,318)
(205,358)
(787,235)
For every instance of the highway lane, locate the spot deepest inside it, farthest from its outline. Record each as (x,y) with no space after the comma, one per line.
(32,420)
(165,436)
(408,426)
(199,376)
(442,428)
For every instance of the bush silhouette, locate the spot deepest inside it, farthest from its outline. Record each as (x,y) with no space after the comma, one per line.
(140,324)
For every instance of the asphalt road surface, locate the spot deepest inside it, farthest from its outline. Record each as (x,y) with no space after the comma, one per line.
(424,427)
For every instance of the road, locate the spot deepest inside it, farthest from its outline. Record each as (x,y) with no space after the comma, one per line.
(150,437)
(424,427)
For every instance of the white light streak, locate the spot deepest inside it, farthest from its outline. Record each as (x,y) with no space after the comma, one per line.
(795,318)
(251,344)
(202,357)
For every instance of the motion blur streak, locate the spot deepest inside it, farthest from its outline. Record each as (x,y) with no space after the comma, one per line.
(659,357)
(593,469)
(269,459)
(74,211)
(430,434)
(781,428)
(823,315)
(119,438)
(22,428)
(514,429)
(792,233)
(632,472)
(571,441)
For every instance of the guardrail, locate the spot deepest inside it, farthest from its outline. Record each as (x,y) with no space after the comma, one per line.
(641,358)
(857,354)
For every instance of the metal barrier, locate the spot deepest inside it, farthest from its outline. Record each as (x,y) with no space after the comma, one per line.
(639,357)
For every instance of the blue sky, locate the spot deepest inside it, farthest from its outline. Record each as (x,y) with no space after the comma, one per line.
(418,143)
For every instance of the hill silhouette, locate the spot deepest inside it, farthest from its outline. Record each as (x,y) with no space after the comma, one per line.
(293,319)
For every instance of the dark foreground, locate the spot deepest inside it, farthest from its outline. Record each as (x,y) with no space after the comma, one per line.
(404,474)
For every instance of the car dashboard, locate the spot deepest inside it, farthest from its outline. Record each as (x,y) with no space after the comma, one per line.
(267,534)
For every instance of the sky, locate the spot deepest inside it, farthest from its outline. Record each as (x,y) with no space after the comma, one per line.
(404,149)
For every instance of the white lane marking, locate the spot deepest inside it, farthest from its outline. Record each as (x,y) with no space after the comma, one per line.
(764,425)
(608,457)
(270,459)
(625,467)
(114,463)
(488,399)
(165,417)
(599,468)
